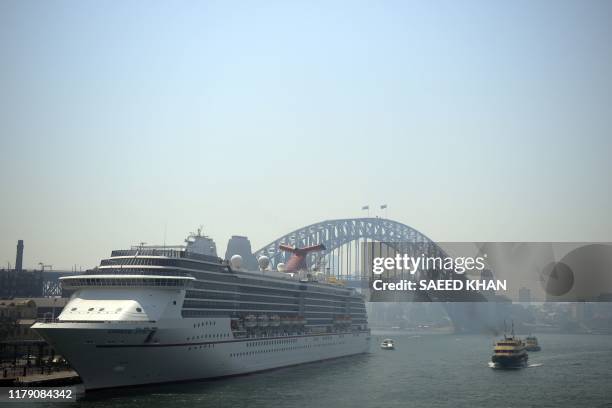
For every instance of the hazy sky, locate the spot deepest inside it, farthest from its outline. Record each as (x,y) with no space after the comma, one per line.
(471,120)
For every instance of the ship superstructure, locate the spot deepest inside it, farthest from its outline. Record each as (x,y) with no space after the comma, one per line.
(509,352)
(531,343)
(162,314)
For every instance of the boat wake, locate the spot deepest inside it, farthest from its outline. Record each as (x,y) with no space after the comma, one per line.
(498,367)
(493,365)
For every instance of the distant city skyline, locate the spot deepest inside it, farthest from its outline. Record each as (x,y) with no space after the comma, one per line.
(139,121)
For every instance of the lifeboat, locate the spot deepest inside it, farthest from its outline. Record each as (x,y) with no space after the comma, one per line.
(342,320)
(286,321)
(263,320)
(250,321)
(275,321)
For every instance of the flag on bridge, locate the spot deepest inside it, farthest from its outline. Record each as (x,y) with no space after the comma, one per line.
(382,207)
(365,207)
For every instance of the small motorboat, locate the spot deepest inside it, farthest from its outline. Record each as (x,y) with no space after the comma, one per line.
(387,344)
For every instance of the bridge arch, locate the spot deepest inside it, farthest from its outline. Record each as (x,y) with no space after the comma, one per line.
(337,234)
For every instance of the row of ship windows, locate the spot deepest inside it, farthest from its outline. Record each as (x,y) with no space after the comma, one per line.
(124,282)
(328,301)
(232,279)
(237,295)
(135,271)
(251,280)
(163,262)
(206,313)
(275,306)
(270,342)
(232,296)
(229,296)
(191,313)
(236,301)
(91,309)
(272,350)
(209,336)
(310,319)
(243,279)
(325,309)
(107,342)
(229,305)
(238,312)
(206,323)
(323,322)
(202,346)
(232,288)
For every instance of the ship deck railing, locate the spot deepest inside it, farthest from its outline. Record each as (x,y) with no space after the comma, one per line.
(101,280)
(167,252)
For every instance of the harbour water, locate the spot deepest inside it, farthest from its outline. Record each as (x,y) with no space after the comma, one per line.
(435,370)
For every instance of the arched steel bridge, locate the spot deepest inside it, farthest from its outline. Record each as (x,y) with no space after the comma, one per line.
(344,241)
(335,233)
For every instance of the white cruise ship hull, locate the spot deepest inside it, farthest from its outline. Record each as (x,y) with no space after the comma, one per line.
(119,354)
(154,315)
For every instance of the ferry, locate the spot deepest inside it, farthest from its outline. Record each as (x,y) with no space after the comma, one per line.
(387,344)
(509,352)
(531,343)
(150,315)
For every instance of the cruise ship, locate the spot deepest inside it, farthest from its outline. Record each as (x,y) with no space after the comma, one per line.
(150,315)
